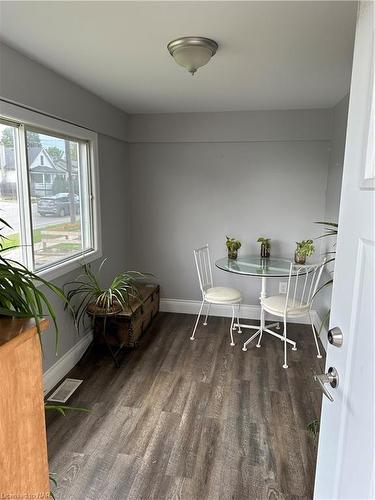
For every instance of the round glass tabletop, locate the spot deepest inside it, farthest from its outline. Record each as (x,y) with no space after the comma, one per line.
(254,265)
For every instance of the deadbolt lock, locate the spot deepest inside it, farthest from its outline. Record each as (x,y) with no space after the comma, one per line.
(335,336)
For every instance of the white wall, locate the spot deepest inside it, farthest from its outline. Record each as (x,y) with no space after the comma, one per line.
(27,83)
(197,177)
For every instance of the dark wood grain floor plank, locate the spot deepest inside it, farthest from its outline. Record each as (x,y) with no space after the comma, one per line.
(151,476)
(187,420)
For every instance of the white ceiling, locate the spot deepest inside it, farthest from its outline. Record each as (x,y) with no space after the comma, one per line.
(272,55)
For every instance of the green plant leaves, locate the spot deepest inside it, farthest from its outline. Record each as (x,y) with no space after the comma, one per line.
(86,290)
(62,409)
(232,244)
(264,241)
(20,295)
(305,248)
(313,428)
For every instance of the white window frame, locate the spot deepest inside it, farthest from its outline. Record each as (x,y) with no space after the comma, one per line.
(47,124)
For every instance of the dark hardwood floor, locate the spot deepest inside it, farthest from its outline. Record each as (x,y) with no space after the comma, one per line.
(190,420)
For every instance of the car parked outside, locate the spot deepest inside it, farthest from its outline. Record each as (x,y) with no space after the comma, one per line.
(57,204)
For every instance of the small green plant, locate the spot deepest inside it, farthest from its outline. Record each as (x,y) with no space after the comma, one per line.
(313,427)
(233,246)
(265,246)
(305,248)
(264,241)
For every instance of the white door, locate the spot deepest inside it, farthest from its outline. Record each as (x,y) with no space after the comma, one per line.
(345,467)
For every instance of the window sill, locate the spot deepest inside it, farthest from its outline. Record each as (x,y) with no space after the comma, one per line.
(63,268)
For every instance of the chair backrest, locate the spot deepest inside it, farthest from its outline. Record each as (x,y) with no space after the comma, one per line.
(304,284)
(203,263)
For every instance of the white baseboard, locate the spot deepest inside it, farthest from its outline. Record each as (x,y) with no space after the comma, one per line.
(64,364)
(192,307)
(247,312)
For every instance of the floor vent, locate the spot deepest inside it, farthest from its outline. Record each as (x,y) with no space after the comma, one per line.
(65,390)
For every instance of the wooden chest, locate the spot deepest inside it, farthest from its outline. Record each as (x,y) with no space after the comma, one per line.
(125,328)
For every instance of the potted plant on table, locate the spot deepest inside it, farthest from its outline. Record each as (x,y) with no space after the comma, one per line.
(265,247)
(305,248)
(233,246)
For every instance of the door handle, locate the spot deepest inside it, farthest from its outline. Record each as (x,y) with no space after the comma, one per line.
(331,378)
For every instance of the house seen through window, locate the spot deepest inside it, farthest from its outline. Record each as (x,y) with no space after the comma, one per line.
(44,196)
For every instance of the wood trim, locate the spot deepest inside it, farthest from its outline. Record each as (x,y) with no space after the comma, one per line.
(14,331)
(23,445)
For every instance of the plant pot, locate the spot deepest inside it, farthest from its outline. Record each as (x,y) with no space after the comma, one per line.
(299,259)
(232,254)
(265,251)
(94,310)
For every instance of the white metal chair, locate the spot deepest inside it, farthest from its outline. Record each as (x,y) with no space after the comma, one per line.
(297,301)
(214,295)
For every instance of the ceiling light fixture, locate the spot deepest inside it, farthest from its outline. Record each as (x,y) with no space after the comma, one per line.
(192,52)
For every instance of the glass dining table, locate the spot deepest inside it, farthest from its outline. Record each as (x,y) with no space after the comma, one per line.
(264,268)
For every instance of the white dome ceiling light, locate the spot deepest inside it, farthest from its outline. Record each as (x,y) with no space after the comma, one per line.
(192,52)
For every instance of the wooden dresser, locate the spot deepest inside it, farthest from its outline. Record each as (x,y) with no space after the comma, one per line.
(23,445)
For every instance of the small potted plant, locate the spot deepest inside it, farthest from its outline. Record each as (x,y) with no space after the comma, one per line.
(265,247)
(304,249)
(233,246)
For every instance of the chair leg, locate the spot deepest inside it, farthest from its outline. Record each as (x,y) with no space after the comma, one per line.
(231,328)
(261,326)
(207,314)
(197,321)
(315,337)
(239,318)
(285,362)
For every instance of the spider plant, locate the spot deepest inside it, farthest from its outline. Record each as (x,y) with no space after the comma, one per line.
(20,296)
(89,295)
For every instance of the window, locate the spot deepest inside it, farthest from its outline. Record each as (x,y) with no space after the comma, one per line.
(48,192)
(36,179)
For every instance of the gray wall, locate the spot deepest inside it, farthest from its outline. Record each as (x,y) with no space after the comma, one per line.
(331,213)
(340,114)
(197,177)
(188,179)
(26,82)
